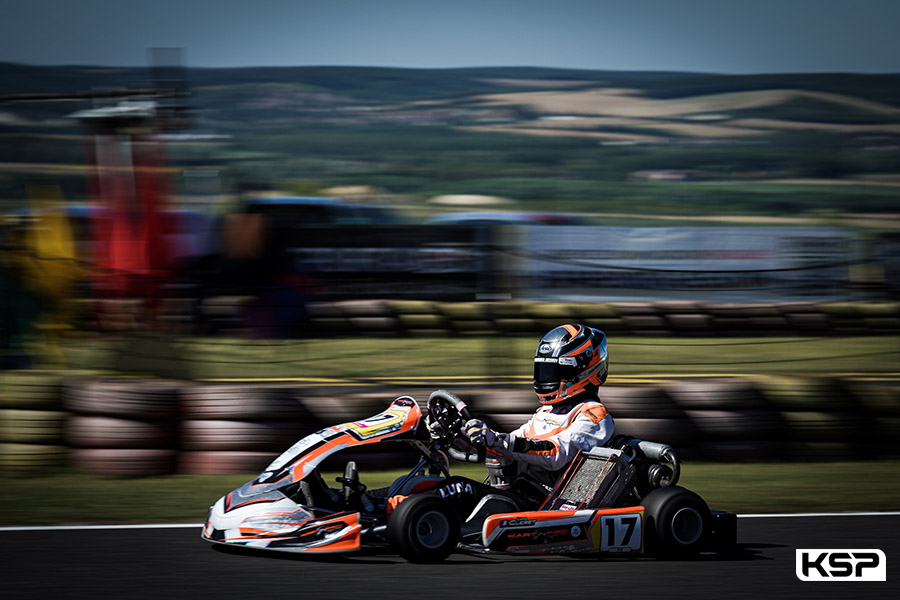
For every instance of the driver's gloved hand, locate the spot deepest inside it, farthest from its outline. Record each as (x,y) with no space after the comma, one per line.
(434,428)
(479,433)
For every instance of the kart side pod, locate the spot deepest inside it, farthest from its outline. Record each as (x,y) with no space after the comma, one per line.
(615,531)
(670,521)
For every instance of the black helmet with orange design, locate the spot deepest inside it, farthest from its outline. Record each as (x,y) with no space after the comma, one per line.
(570,362)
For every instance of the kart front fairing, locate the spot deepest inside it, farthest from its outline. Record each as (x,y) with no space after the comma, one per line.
(261,514)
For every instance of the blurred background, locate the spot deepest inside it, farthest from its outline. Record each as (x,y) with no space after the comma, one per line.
(200,265)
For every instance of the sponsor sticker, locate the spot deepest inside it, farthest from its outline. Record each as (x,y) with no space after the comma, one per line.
(841,565)
(456,488)
(517,522)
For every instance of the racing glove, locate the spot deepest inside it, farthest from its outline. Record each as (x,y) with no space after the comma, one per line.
(479,433)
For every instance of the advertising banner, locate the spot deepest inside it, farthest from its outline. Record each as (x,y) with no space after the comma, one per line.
(722,263)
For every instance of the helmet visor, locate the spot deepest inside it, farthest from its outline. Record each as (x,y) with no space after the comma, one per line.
(553,372)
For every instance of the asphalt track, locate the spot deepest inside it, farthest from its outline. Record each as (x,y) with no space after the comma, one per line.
(166,564)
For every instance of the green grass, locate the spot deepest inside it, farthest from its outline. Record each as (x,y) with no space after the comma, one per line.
(71,498)
(363,359)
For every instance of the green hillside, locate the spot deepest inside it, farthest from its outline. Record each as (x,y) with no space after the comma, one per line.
(551,139)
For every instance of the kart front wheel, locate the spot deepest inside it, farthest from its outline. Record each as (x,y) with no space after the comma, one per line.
(423,529)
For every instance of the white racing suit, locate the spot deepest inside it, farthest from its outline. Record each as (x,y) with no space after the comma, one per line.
(544,445)
(534,456)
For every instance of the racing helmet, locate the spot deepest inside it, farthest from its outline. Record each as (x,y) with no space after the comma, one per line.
(570,360)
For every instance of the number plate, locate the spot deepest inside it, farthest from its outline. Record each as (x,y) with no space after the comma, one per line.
(621,533)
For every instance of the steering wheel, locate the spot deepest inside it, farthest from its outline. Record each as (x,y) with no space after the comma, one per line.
(448,415)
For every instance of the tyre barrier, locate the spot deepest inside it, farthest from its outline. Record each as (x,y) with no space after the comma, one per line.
(28,460)
(32,426)
(32,390)
(245,423)
(785,417)
(241,402)
(736,425)
(128,397)
(119,427)
(418,318)
(87,431)
(639,401)
(122,426)
(725,394)
(125,462)
(228,462)
(241,435)
(677,432)
(31,422)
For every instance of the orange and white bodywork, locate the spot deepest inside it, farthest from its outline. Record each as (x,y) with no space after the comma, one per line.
(259,515)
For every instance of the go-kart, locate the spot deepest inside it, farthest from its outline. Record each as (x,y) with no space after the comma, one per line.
(619,500)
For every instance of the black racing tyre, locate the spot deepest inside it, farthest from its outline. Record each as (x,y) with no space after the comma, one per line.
(240,435)
(506,401)
(638,402)
(224,462)
(31,390)
(423,529)
(32,426)
(124,462)
(719,394)
(676,520)
(737,425)
(31,460)
(240,402)
(111,432)
(127,397)
(677,432)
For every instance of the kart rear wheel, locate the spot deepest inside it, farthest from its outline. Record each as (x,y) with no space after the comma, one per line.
(423,529)
(677,522)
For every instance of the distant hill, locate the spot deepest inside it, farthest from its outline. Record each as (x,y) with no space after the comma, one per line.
(396,84)
(579,139)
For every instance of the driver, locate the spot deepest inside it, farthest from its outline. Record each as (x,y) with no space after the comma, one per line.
(570,364)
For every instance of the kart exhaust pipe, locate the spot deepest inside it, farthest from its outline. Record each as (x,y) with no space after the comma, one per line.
(655,451)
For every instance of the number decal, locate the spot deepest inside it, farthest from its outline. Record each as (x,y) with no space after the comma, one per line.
(389,421)
(621,533)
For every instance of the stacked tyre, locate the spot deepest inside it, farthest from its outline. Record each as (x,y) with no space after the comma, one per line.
(121,426)
(647,412)
(732,418)
(505,410)
(230,429)
(823,420)
(31,423)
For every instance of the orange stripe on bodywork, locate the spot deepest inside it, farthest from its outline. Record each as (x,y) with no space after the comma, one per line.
(298,474)
(350,540)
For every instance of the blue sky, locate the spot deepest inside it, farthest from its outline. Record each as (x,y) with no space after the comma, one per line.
(753,36)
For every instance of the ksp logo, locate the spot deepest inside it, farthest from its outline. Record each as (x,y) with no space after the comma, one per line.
(841,565)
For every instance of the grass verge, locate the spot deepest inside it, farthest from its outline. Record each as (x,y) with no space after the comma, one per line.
(362,359)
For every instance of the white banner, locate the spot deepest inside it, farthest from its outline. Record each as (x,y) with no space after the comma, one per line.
(730,263)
